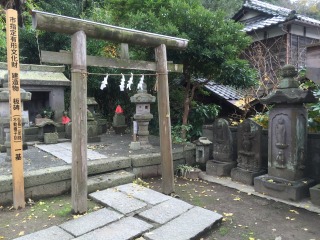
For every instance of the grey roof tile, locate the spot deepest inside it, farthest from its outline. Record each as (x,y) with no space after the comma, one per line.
(226,92)
(273,15)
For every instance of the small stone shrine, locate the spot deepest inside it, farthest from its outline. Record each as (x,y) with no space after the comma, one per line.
(287,145)
(47,85)
(250,162)
(223,157)
(142,99)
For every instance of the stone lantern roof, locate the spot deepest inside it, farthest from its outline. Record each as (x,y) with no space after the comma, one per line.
(142,96)
(288,90)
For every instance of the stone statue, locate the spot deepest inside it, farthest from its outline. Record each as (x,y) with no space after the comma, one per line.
(222,146)
(65,119)
(245,151)
(280,133)
(250,163)
(223,157)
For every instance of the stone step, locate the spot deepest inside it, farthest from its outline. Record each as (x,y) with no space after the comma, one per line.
(107,180)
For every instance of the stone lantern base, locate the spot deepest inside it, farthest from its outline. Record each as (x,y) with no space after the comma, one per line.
(283,189)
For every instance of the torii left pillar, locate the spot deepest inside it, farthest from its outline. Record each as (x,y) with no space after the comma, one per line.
(79,122)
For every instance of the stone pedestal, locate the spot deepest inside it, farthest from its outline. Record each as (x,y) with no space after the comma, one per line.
(119,123)
(315,194)
(143,128)
(92,131)
(219,169)
(283,189)
(135,146)
(51,138)
(245,176)
(287,145)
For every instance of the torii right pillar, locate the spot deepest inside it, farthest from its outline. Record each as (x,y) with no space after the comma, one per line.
(287,141)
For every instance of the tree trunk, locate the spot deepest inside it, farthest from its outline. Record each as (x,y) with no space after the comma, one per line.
(186,110)
(189,95)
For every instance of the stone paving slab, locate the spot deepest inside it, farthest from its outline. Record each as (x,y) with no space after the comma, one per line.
(119,201)
(125,229)
(64,151)
(166,211)
(91,221)
(52,233)
(144,194)
(186,226)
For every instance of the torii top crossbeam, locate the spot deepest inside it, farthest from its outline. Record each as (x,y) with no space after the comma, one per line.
(68,25)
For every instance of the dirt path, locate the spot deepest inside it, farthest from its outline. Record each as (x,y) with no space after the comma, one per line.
(246,217)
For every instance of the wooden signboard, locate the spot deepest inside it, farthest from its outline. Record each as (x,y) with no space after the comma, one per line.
(15,108)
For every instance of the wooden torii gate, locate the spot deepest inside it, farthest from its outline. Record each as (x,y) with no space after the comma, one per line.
(80,29)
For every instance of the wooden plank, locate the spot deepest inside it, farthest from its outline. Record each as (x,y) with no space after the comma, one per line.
(66,58)
(124,51)
(15,108)
(313,74)
(62,24)
(313,56)
(79,123)
(164,121)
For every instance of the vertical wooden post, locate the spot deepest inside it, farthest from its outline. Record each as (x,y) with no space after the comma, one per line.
(124,51)
(79,122)
(164,121)
(15,108)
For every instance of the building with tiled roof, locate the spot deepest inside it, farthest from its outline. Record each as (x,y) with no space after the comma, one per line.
(232,100)
(280,36)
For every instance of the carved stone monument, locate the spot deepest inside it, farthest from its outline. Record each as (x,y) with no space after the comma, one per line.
(143,116)
(250,161)
(223,157)
(287,145)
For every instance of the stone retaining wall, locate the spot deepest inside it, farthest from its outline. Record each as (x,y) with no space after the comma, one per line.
(54,181)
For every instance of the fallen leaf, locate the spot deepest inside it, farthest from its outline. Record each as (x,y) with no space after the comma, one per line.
(228,214)
(237,199)
(21,233)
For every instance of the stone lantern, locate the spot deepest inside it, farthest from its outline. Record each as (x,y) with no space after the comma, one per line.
(203,150)
(287,144)
(142,100)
